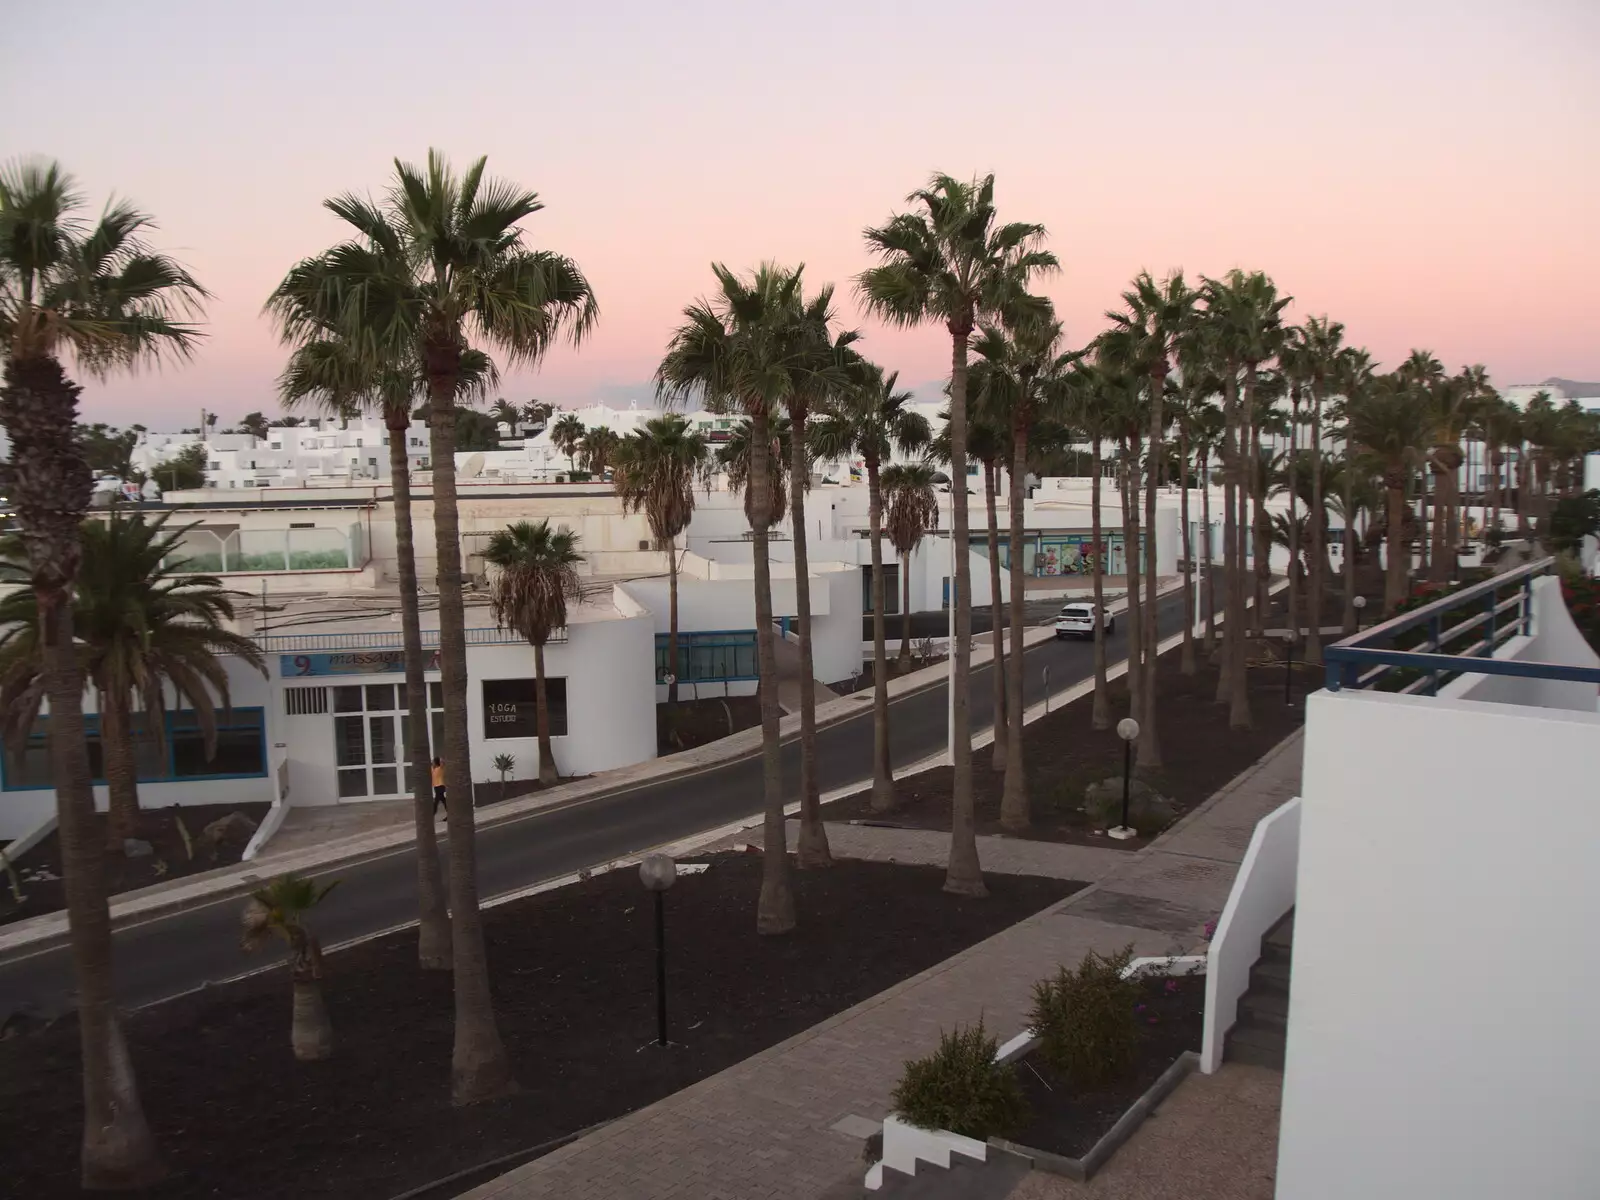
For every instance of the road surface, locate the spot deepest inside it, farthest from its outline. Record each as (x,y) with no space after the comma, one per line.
(169,955)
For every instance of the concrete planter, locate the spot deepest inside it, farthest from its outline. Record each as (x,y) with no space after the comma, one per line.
(904,1143)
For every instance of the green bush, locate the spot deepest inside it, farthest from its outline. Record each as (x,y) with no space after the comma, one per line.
(317,560)
(1085,1019)
(961,1088)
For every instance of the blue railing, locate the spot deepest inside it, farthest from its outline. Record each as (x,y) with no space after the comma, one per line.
(386,640)
(1484,617)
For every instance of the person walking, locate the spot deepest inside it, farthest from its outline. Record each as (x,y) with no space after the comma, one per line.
(438,788)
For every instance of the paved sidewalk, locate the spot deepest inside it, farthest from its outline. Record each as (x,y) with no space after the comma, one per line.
(766,1127)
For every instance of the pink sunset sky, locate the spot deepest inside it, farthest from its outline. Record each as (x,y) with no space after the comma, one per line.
(1424,170)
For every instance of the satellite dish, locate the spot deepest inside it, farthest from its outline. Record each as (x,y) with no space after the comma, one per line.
(473,467)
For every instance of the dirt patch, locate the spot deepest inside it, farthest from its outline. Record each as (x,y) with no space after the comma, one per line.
(692,723)
(573,981)
(1064,755)
(171,856)
(1067,1119)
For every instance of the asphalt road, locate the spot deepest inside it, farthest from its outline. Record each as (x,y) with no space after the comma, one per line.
(169,955)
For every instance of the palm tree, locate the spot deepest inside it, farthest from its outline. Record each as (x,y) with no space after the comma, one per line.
(1423,374)
(567,435)
(1323,343)
(1206,423)
(279,910)
(735,456)
(1353,376)
(537,413)
(950,263)
(1090,408)
(506,413)
(442,255)
(1394,429)
(99,294)
(911,509)
(869,419)
(1453,404)
(737,350)
(598,449)
(538,575)
(335,374)
(656,471)
(144,627)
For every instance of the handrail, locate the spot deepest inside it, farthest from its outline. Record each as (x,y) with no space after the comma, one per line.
(1357,662)
(384,640)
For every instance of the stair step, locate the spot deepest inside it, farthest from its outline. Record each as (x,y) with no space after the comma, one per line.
(1277,944)
(965,1179)
(1269,1010)
(1256,1046)
(1270,975)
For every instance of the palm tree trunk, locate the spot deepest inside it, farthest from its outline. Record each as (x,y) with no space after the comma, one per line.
(1394,590)
(672,622)
(1349,615)
(775,908)
(1439,568)
(479,1067)
(1260,525)
(1294,529)
(1100,718)
(1424,547)
(1130,574)
(1239,688)
(997,670)
(882,771)
(964,874)
(48,481)
(1014,815)
(310,1031)
(1149,757)
(1318,519)
(548,774)
(905,609)
(116,750)
(1208,585)
(812,850)
(433,926)
(1186,655)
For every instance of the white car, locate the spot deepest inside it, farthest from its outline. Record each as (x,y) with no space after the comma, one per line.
(1077,620)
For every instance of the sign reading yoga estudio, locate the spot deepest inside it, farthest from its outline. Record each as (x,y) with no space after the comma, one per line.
(351,662)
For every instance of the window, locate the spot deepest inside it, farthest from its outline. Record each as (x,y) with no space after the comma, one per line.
(305,701)
(358,444)
(372,739)
(891,589)
(509,707)
(241,750)
(214,466)
(713,657)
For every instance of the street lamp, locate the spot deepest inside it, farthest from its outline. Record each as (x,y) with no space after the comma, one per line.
(1047,687)
(657,872)
(1288,668)
(1360,603)
(1128,731)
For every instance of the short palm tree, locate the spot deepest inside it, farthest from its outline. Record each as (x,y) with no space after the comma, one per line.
(98,294)
(657,469)
(279,910)
(869,419)
(911,510)
(537,413)
(443,255)
(737,349)
(335,374)
(538,575)
(567,436)
(598,449)
(504,412)
(950,262)
(145,628)
(1394,427)
(504,764)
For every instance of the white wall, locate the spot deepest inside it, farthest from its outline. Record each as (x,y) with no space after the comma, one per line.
(1440,1042)
(1555,639)
(836,635)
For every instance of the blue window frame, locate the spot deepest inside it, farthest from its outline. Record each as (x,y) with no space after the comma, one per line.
(241,751)
(711,656)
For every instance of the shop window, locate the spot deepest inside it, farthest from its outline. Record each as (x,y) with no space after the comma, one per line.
(240,750)
(509,707)
(710,657)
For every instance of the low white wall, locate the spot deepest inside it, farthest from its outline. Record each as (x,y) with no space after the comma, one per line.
(1440,1043)
(1555,639)
(836,636)
(1263,891)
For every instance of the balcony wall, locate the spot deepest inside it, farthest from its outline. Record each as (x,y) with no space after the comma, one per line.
(1555,639)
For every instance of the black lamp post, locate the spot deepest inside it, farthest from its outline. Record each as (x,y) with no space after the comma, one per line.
(1288,669)
(1359,603)
(657,872)
(1128,731)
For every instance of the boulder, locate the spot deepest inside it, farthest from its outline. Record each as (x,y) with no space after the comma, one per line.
(233,829)
(134,848)
(1148,810)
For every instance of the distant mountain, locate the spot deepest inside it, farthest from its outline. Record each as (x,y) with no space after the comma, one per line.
(1572,387)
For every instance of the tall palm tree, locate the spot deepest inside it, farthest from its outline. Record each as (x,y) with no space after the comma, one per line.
(738,350)
(98,294)
(869,419)
(657,468)
(1423,374)
(567,436)
(735,456)
(1353,377)
(1206,423)
(504,412)
(949,262)
(538,575)
(335,374)
(145,629)
(1090,409)
(598,449)
(1294,361)
(1453,402)
(1394,429)
(1323,343)
(911,509)
(443,255)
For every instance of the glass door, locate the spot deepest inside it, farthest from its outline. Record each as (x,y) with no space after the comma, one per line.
(371,739)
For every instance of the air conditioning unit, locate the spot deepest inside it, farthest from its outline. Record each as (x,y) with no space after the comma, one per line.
(644,545)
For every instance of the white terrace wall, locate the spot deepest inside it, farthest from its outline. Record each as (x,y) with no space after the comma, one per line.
(1555,639)
(1439,1034)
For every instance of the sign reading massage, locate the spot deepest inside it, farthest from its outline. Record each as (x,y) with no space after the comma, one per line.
(353,662)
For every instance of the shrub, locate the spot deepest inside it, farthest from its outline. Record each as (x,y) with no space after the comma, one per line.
(961,1088)
(1085,1019)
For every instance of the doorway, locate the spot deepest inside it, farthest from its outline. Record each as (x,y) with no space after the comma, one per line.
(371,739)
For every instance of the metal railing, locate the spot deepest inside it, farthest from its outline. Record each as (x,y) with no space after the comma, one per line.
(385,640)
(1483,618)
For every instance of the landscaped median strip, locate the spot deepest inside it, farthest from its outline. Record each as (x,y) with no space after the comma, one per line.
(50,930)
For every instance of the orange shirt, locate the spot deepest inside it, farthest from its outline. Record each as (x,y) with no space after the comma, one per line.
(438,776)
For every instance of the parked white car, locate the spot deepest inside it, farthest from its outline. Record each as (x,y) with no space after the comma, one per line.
(1077,620)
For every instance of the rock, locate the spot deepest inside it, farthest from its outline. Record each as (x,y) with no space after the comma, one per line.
(134,848)
(235,828)
(1148,810)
